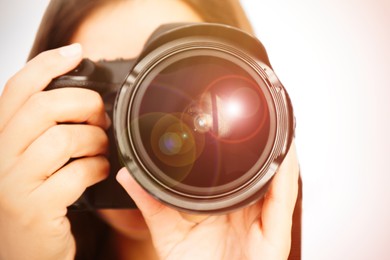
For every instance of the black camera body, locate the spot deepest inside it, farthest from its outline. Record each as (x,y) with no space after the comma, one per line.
(199,119)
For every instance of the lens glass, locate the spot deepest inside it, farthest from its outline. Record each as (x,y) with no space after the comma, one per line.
(201,125)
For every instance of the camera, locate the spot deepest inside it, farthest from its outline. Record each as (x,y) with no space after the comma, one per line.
(200,119)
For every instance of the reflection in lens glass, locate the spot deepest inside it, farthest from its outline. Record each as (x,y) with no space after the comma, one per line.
(204,124)
(170,143)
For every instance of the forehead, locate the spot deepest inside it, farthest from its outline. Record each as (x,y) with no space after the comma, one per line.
(120,29)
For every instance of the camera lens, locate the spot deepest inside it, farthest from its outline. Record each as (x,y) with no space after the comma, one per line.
(201,125)
(201,121)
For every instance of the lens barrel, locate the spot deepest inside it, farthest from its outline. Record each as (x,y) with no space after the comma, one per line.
(202,122)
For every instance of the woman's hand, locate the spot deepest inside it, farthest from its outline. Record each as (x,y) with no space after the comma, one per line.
(40,131)
(260,231)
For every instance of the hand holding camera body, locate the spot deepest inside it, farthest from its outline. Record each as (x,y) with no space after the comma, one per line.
(199,119)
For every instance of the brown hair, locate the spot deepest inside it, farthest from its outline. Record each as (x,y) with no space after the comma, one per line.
(62,17)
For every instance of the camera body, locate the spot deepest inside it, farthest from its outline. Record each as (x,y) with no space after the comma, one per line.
(199,119)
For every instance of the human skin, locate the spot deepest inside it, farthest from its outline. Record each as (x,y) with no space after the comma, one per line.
(34,196)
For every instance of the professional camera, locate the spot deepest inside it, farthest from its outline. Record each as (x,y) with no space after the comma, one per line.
(199,119)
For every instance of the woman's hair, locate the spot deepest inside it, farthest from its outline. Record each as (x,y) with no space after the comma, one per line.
(62,18)
(59,23)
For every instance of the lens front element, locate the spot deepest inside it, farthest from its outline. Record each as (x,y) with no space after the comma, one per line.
(201,121)
(201,125)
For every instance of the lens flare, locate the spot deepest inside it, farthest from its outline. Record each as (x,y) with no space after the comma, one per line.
(234,108)
(170,143)
(248,101)
(174,142)
(203,123)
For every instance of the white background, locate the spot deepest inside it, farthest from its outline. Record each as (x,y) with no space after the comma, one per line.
(333,56)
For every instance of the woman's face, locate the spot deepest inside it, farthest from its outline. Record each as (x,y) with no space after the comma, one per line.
(120,30)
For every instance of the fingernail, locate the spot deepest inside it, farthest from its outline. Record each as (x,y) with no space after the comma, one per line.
(71,51)
(122,176)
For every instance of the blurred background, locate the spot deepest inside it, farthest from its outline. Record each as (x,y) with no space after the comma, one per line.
(333,57)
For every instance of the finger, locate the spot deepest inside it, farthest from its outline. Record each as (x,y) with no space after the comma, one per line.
(55,147)
(35,76)
(279,201)
(154,212)
(64,187)
(45,109)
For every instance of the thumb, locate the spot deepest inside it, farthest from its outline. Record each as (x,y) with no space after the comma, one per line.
(160,219)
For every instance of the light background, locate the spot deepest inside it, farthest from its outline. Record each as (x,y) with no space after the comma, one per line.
(333,57)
